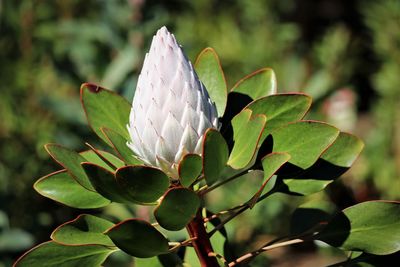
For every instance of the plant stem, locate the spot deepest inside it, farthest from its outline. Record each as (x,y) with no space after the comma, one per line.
(253,254)
(201,242)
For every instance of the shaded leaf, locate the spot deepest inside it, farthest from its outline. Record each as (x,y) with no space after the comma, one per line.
(84,230)
(257,84)
(71,161)
(119,144)
(177,208)
(143,184)
(92,157)
(61,187)
(105,108)
(50,254)
(305,141)
(215,155)
(209,70)
(189,169)
(105,183)
(247,129)
(372,227)
(271,164)
(335,161)
(138,238)
(280,109)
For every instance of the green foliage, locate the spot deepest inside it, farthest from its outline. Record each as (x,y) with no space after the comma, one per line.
(372,227)
(58,45)
(189,169)
(138,238)
(257,84)
(84,230)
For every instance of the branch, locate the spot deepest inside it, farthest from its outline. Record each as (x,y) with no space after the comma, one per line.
(253,254)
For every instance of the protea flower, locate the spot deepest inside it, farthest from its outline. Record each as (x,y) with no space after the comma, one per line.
(171,108)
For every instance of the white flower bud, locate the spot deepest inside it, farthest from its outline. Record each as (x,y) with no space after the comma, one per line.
(171,109)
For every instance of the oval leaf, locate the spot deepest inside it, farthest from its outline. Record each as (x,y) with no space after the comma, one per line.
(305,141)
(209,70)
(177,208)
(120,146)
(271,164)
(257,84)
(50,254)
(372,227)
(61,187)
(143,184)
(247,130)
(105,183)
(105,108)
(84,230)
(281,109)
(71,161)
(215,155)
(335,161)
(138,238)
(189,169)
(92,157)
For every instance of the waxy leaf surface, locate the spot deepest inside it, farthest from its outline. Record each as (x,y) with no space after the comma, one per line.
(143,184)
(92,157)
(190,168)
(84,230)
(61,187)
(257,84)
(177,208)
(105,108)
(372,227)
(51,254)
(210,73)
(138,238)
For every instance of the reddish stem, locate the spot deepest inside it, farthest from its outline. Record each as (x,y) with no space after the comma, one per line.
(201,244)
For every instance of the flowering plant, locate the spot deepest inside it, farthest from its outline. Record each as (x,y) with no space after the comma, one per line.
(184,136)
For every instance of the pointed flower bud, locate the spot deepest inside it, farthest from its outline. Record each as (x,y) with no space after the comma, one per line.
(171,109)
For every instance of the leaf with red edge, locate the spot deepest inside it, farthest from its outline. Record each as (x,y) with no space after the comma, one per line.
(247,129)
(119,144)
(209,70)
(143,184)
(257,84)
(86,229)
(104,108)
(177,208)
(61,187)
(51,254)
(71,161)
(105,183)
(138,238)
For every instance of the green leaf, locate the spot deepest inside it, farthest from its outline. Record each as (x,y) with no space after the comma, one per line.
(215,155)
(305,141)
(247,129)
(71,161)
(189,169)
(257,84)
(105,183)
(61,187)
(372,227)
(309,215)
(280,109)
(369,260)
(177,208)
(50,254)
(142,183)
(119,144)
(92,157)
(138,238)
(209,70)
(105,108)
(335,161)
(271,163)
(84,230)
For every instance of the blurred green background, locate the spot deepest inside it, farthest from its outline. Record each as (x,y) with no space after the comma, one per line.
(344,53)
